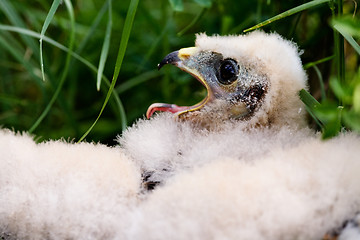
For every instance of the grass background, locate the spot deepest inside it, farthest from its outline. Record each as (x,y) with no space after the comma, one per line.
(88,44)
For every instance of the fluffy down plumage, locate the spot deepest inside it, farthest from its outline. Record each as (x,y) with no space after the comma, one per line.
(268,177)
(286,195)
(59,190)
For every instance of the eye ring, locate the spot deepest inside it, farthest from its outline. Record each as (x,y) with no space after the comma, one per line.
(228,71)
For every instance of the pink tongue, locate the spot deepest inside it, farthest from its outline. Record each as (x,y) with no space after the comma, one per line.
(164,107)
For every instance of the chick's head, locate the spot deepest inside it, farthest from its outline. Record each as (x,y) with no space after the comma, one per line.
(253,78)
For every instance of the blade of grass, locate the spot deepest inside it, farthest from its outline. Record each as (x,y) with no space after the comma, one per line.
(12,100)
(341,46)
(93,27)
(137,80)
(351,41)
(340,90)
(337,10)
(204,3)
(333,127)
(258,10)
(123,45)
(287,13)
(321,82)
(348,37)
(75,55)
(356,98)
(48,40)
(54,43)
(350,25)
(70,9)
(310,103)
(36,73)
(152,48)
(16,52)
(16,20)
(47,22)
(311,64)
(90,32)
(309,100)
(65,49)
(177,5)
(105,47)
(243,24)
(294,26)
(352,120)
(193,22)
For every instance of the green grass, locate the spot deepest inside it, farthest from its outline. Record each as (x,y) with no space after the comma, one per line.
(47,22)
(288,13)
(120,57)
(55,57)
(64,74)
(105,47)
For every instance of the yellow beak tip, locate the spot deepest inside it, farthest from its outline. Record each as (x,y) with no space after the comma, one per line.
(185,53)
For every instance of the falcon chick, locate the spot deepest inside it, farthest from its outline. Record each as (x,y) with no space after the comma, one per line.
(252,83)
(241,164)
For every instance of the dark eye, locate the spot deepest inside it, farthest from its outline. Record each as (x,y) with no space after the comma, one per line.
(228,71)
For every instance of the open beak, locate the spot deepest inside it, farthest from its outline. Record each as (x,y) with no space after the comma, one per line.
(179,59)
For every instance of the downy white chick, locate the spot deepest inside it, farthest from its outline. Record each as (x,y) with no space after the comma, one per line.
(252,105)
(239,165)
(242,164)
